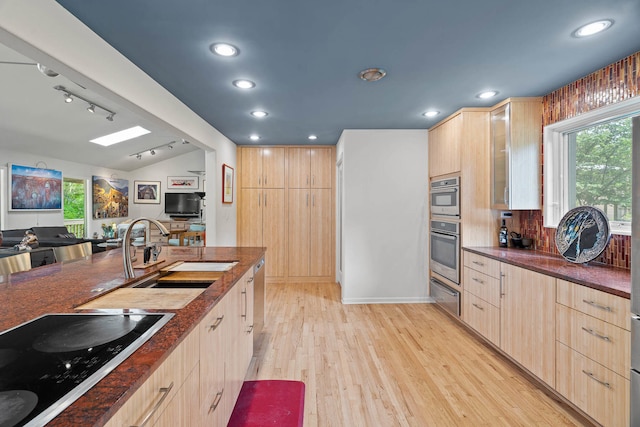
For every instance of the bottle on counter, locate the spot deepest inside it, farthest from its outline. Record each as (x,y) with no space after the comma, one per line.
(503,236)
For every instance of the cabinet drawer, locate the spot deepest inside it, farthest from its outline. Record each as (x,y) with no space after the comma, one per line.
(482,286)
(604,306)
(600,341)
(482,316)
(485,265)
(599,392)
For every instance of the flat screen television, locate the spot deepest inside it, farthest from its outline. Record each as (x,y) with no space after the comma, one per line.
(181,204)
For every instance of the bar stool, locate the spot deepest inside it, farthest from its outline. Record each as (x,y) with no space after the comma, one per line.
(72,252)
(15,263)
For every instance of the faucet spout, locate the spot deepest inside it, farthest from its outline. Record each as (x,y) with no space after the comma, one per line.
(126,244)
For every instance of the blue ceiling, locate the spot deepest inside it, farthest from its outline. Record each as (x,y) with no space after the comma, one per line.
(305,56)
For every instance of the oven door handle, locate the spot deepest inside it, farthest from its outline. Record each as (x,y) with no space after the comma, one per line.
(445,236)
(444,289)
(445,190)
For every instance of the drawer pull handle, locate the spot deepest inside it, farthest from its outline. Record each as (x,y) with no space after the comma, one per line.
(477,306)
(595,334)
(596,305)
(478,263)
(165,392)
(475,279)
(216,323)
(593,377)
(250,329)
(216,401)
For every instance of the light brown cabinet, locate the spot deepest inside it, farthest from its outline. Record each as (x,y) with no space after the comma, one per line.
(481,298)
(445,146)
(593,348)
(296,223)
(310,233)
(528,320)
(310,167)
(261,167)
(516,136)
(261,223)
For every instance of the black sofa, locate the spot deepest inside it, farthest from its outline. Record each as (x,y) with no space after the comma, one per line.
(48,237)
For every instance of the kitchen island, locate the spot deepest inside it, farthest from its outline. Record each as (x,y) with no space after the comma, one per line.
(62,288)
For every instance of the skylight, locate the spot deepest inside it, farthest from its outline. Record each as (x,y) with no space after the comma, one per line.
(123,135)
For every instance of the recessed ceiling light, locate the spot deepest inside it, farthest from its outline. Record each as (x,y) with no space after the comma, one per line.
(312,137)
(224,49)
(372,74)
(487,94)
(254,137)
(244,84)
(123,135)
(431,113)
(259,114)
(593,28)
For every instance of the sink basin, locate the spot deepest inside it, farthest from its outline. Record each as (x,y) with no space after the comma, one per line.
(181,285)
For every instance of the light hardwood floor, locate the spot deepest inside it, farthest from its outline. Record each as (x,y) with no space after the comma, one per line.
(392,365)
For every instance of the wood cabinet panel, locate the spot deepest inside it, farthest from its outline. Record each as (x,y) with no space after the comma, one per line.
(183,410)
(273,167)
(527,321)
(598,391)
(600,341)
(212,364)
(261,167)
(299,167)
(250,217)
(484,265)
(299,232)
(445,147)
(322,162)
(482,286)
(321,234)
(482,316)
(610,308)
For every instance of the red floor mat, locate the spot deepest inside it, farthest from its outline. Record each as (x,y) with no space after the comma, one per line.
(269,403)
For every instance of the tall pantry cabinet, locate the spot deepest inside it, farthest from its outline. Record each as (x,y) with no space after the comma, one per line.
(261,209)
(306,222)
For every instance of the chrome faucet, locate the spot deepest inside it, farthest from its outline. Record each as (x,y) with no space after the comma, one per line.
(126,243)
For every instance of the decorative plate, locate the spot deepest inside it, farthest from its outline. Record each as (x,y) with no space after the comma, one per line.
(583,233)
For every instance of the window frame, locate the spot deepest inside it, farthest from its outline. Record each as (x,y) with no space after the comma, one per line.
(556,156)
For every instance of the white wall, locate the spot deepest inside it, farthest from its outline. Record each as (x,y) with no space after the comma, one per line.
(47,33)
(385,216)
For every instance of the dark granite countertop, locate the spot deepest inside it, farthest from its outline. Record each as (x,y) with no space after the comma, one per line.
(59,288)
(616,281)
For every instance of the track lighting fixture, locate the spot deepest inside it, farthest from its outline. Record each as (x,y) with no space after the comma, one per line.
(69,96)
(153,151)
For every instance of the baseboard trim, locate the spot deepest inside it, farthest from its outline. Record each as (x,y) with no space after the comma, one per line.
(389,300)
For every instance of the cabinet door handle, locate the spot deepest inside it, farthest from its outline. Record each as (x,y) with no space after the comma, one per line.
(506,195)
(596,305)
(250,280)
(478,263)
(595,334)
(265,200)
(216,323)
(216,401)
(244,309)
(593,377)
(313,181)
(265,180)
(165,392)
(501,285)
(477,306)
(475,279)
(259,199)
(250,329)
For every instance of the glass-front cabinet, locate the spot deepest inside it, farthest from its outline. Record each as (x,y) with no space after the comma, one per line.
(516,133)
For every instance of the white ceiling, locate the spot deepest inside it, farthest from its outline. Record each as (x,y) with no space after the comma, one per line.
(36,120)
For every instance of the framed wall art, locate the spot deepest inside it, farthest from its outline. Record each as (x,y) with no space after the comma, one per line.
(183,182)
(146,192)
(33,188)
(227,184)
(110,197)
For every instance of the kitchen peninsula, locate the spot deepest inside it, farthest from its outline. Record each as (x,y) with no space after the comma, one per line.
(62,288)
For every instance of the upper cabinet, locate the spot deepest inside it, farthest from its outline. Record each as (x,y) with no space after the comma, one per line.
(516,132)
(310,167)
(444,146)
(262,167)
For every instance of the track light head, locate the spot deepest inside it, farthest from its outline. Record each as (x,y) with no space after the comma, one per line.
(170,147)
(91,108)
(153,152)
(139,156)
(67,98)
(184,141)
(110,117)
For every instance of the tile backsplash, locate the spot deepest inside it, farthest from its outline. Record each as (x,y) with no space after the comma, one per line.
(613,83)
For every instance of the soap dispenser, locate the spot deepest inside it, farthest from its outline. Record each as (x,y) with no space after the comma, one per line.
(503,236)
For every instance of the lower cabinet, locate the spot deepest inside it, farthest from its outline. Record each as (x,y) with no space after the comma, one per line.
(200,380)
(572,337)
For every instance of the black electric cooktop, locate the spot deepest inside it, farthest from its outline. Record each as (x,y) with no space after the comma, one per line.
(48,362)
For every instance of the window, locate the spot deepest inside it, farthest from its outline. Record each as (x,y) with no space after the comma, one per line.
(587,161)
